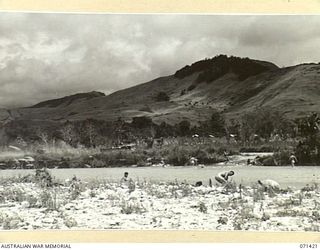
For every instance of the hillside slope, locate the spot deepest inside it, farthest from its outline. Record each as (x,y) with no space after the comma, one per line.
(233,88)
(65,101)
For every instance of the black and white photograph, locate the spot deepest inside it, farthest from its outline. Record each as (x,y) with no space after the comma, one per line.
(159,122)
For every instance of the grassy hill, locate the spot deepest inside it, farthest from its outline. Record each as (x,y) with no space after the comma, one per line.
(229,84)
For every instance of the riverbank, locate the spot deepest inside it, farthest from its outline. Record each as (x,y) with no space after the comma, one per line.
(69,157)
(168,155)
(26,204)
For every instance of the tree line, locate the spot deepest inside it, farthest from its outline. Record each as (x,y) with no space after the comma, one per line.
(265,124)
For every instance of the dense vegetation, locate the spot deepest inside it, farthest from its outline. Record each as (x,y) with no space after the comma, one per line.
(92,132)
(260,130)
(216,67)
(308,148)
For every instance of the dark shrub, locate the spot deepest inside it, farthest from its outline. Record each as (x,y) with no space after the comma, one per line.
(268,161)
(178,156)
(184,128)
(191,87)
(282,157)
(162,97)
(308,148)
(146,109)
(141,122)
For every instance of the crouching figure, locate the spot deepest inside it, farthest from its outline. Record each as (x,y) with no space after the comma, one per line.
(269,185)
(223,177)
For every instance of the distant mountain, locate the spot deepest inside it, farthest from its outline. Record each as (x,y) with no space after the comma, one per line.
(229,84)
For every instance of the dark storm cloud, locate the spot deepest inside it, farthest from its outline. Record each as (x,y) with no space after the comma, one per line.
(44,56)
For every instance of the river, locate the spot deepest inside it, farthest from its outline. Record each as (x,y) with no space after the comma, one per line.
(296,177)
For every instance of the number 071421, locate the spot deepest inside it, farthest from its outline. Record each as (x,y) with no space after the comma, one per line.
(309,246)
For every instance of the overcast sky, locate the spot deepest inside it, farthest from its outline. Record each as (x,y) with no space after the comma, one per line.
(45,56)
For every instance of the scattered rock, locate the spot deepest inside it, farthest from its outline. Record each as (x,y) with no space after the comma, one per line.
(49,220)
(68,206)
(70,222)
(266,216)
(296,202)
(223,220)
(12,224)
(25,204)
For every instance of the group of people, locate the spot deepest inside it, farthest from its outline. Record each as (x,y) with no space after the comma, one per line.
(222,178)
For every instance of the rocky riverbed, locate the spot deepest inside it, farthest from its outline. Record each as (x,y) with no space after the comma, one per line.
(31,205)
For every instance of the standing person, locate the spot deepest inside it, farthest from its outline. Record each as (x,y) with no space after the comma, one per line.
(293,159)
(226,155)
(222,177)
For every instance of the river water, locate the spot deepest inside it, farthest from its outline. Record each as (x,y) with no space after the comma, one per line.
(296,177)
